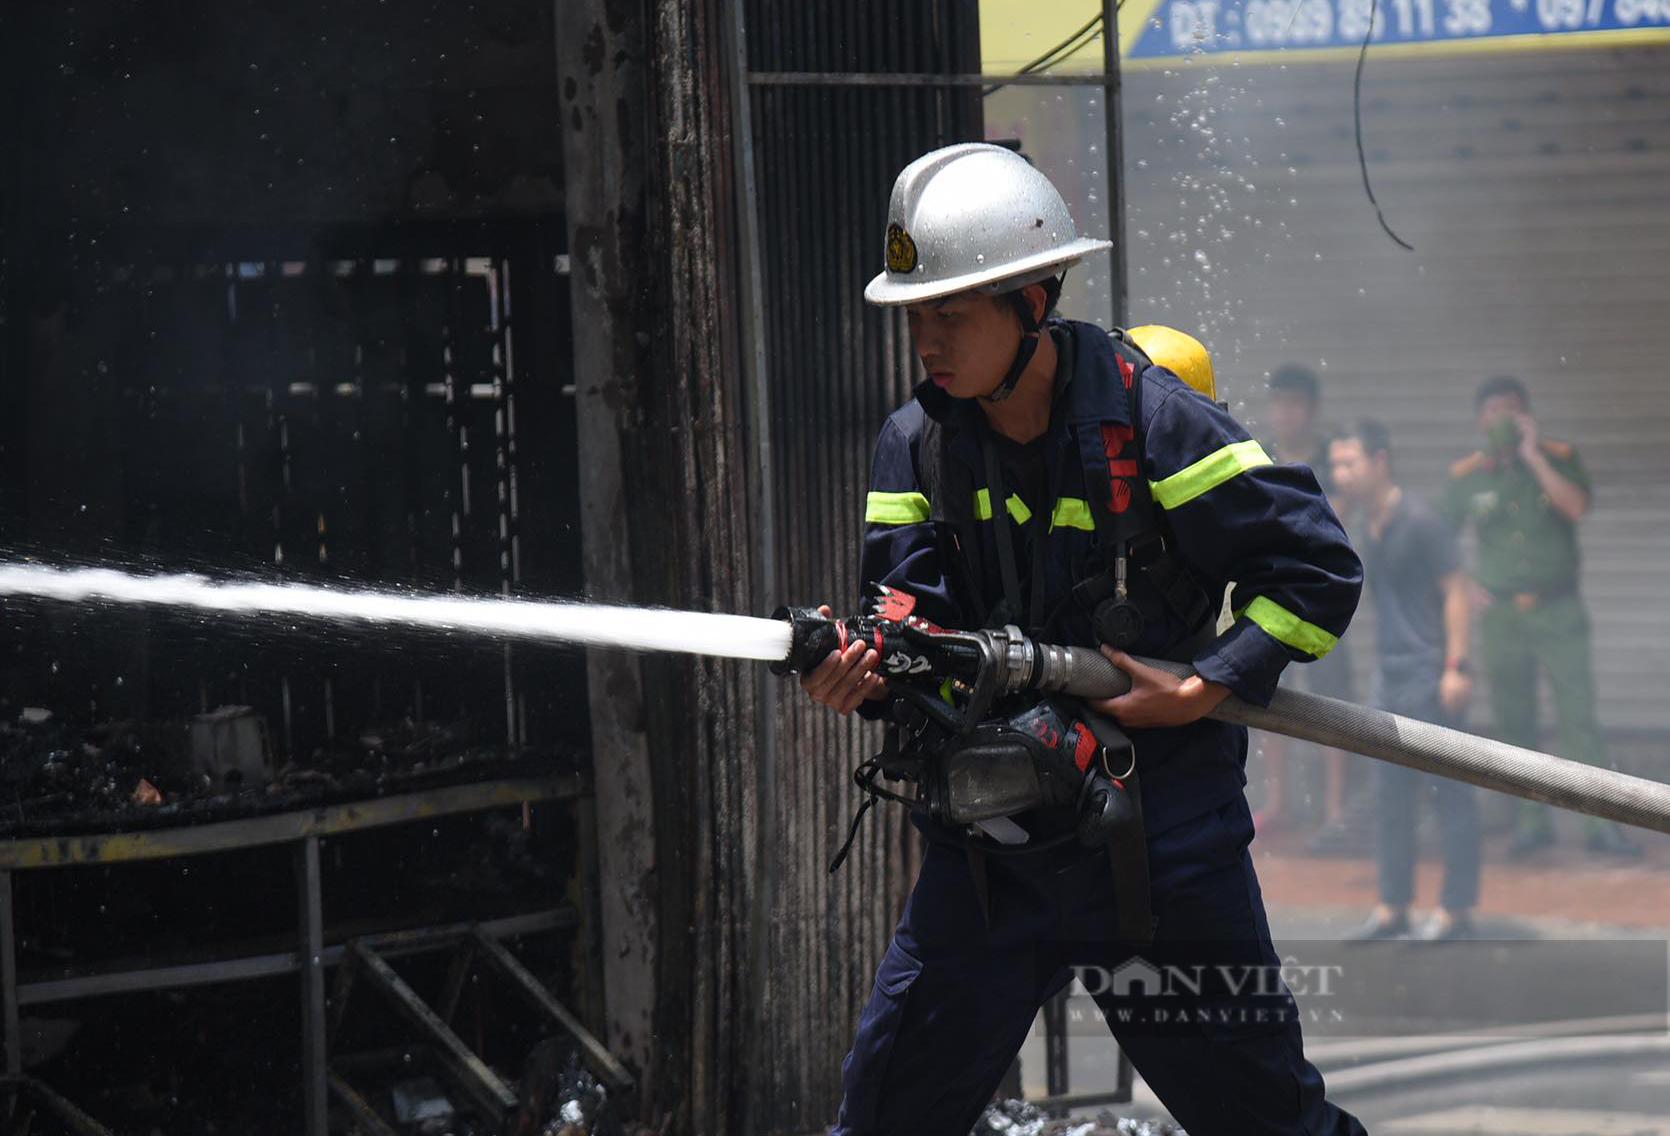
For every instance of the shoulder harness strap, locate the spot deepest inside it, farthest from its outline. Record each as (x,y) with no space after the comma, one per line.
(950,493)
(1130,533)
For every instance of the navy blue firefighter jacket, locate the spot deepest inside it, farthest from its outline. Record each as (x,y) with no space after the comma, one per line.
(1228,514)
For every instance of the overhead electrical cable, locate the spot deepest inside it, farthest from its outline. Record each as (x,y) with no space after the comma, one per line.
(1068,47)
(1357,113)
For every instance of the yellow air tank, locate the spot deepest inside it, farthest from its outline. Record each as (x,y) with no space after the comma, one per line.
(1180,353)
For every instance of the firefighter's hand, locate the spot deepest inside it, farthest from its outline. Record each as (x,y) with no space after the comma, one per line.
(1158,698)
(846,678)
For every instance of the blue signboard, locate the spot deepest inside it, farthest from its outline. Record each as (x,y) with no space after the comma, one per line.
(1185,27)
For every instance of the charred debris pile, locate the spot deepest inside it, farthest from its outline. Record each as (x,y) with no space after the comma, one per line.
(58,776)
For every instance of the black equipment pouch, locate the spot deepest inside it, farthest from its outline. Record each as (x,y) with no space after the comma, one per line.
(1039,758)
(1054,754)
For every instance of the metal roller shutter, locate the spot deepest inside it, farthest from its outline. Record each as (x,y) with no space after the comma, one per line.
(1533,187)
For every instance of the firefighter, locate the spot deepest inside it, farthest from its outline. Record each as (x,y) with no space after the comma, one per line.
(1047,474)
(1524,494)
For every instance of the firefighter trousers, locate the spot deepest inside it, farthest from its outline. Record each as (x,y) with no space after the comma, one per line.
(1201,1010)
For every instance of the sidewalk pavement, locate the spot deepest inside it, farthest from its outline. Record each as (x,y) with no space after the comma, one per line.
(1560,891)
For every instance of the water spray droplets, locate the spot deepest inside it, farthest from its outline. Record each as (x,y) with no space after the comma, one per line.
(639,629)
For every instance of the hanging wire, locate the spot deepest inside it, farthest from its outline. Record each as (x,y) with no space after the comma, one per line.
(1076,42)
(1357,112)
(1061,50)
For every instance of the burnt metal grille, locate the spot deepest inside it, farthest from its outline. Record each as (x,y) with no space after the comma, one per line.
(340,418)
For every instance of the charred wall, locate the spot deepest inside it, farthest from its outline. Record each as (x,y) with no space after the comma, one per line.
(826,156)
(285,295)
(666,521)
(190,161)
(675,513)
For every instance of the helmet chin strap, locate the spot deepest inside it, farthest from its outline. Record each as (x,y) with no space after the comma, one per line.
(1030,329)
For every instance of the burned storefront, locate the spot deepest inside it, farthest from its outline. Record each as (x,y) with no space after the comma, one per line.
(501,301)
(269,279)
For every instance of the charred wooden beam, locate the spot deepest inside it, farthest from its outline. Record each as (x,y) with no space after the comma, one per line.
(602,59)
(667,520)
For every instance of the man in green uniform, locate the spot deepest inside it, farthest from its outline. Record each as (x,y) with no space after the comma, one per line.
(1525,494)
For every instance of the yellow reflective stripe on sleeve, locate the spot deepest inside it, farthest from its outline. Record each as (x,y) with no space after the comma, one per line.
(1283,626)
(1207,474)
(983,507)
(1072,513)
(895,508)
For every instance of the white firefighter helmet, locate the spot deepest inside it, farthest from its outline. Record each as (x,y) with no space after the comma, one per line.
(974,216)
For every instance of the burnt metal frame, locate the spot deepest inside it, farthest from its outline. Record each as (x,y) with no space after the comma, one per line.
(1058,1097)
(359,1109)
(282,828)
(367,958)
(17,1084)
(304,829)
(492,396)
(596,1055)
(484,1086)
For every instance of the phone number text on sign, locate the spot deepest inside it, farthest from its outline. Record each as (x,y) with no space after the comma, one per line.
(1181,27)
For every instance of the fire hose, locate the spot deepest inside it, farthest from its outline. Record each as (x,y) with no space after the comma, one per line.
(983,666)
(975,667)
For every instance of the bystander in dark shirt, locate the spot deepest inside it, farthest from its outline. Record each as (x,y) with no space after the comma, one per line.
(1403,567)
(1404,570)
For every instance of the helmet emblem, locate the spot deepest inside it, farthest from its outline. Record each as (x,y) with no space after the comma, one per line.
(901,250)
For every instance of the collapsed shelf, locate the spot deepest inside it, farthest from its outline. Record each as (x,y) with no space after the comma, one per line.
(359,957)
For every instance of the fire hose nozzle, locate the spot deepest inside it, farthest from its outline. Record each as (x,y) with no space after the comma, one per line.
(991,663)
(812,635)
